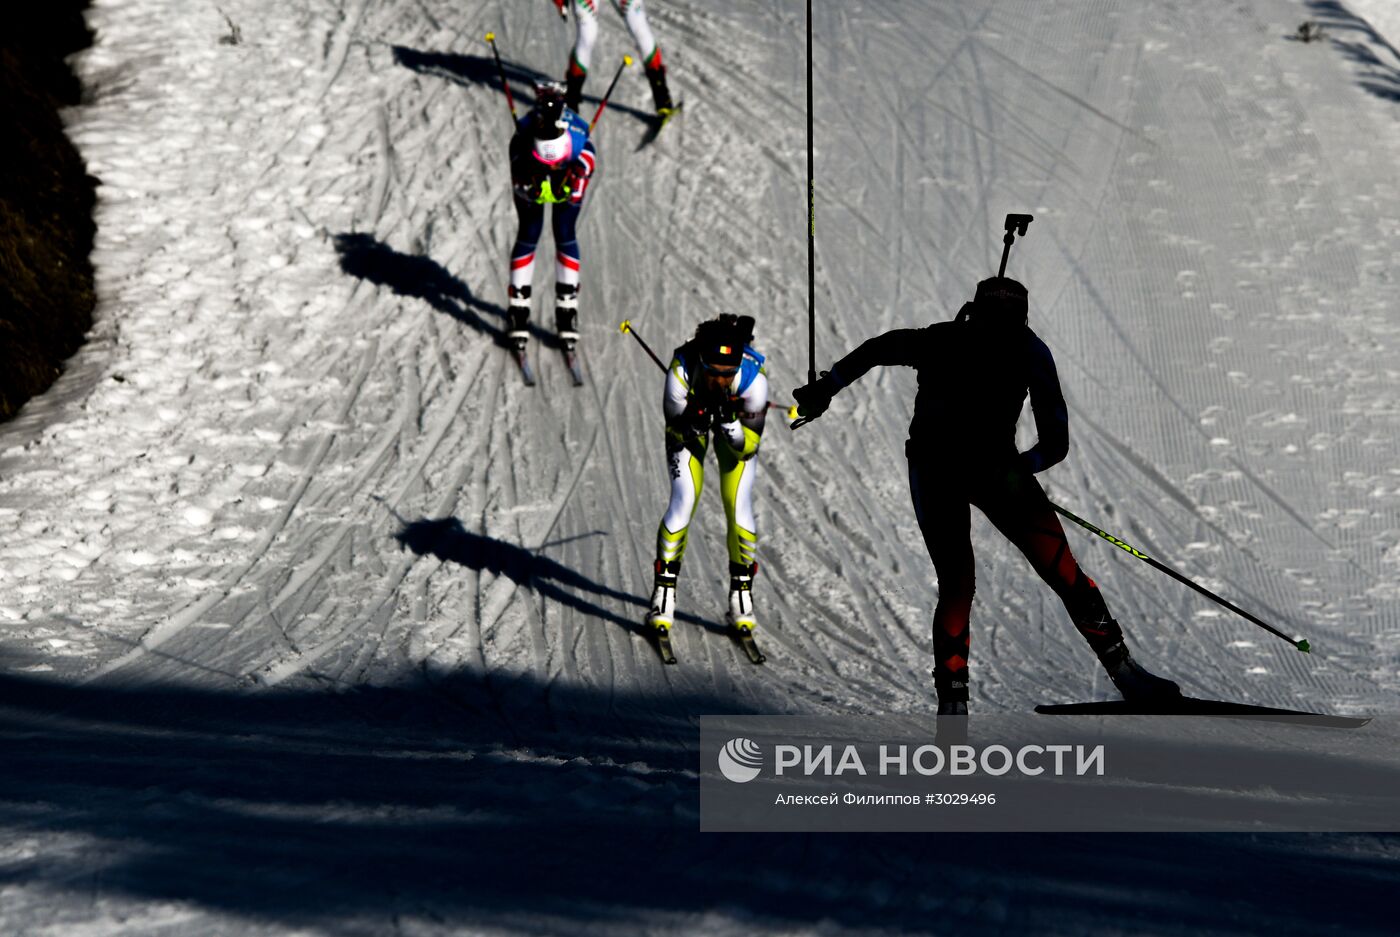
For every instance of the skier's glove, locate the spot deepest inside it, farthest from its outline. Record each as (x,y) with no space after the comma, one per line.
(575,178)
(723,411)
(528,184)
(814,398)
(694,422)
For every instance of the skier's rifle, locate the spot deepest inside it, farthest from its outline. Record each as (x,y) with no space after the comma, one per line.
(501,70)
(627,329)
(626,60)
(1300,643)
(1016,224)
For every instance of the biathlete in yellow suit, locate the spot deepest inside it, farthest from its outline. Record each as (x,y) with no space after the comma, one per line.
(716,388)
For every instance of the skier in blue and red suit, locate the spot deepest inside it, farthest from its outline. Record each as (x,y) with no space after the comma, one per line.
(551,162)
(975,373)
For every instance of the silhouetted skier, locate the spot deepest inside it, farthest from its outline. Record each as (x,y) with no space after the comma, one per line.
(974,375)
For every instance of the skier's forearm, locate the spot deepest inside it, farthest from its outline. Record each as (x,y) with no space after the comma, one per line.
(895,347)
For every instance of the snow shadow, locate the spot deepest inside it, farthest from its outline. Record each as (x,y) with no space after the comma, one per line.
(1376,76)
(481,70)
(449,541)
(423,278)
(505,802)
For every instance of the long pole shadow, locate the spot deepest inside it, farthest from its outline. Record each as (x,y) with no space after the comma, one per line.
(424,278)
(449,541)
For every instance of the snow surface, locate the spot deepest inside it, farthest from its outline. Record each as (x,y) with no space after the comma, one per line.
(314,620)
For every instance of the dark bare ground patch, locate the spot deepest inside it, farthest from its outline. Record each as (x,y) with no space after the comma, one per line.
(46,201)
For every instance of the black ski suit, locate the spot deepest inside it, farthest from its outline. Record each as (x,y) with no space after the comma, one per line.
(974,376)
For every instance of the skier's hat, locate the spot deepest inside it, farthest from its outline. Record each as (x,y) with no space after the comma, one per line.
(721,341)
(1001,296)
(547,126)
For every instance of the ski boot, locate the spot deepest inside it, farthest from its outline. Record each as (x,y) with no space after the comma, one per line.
(740,616)
(566,314)
(573,87)
(661,95)
(663,597)
(950,725)
(518,317)
(952,697)
(1135,682)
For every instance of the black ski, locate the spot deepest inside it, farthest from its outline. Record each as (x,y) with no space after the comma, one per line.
(574,362)
(745,640)
(662,639)
(1191,706)
(522,359)
(658,124)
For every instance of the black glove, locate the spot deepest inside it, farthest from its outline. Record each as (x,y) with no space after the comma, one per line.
(527,181)
(814,398)
(723,411)
(694,421)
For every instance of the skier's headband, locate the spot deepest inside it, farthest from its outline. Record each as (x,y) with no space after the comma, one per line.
(722,360)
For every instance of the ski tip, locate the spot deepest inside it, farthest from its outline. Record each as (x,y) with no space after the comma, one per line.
(490,37)
(792,412)
(626,60)
(1303,645)
(625,327)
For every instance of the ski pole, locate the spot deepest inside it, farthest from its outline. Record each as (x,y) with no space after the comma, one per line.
(811,223)
(1016,223)
(626,60)
(626,327)
(500,69)
(628,330)
(1300,643)
(563,10)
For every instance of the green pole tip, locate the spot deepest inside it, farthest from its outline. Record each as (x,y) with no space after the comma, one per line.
(1303,645)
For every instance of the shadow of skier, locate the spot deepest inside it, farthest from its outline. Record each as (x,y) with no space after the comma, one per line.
(423,278)
(446,539)
(481,70)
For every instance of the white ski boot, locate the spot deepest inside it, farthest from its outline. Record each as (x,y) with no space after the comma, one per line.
(663,597)
(518,317)
(566,313)
(740,615)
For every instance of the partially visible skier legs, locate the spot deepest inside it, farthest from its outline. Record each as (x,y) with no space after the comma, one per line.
(566,269)
(1028,521)
(522,268)
(687,471)
(585,35)
(736,486)
(945,521)
(636,15)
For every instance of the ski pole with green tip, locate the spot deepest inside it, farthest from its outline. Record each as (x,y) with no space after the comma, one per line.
(626,329)
(626,60)
(1300,643)
(501,70)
